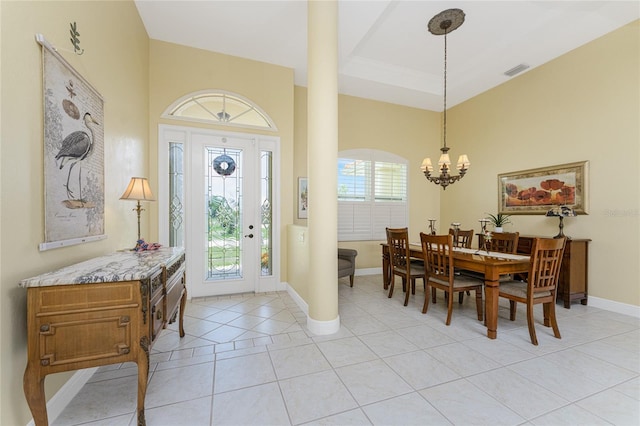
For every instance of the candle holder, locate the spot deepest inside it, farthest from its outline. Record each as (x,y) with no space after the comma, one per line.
(432,226)
(486,240)
(456,228)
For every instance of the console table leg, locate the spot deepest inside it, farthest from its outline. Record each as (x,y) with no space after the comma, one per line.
(183,302)
(143,376)
(33,386)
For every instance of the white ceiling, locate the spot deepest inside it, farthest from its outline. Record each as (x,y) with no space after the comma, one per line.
(385,50)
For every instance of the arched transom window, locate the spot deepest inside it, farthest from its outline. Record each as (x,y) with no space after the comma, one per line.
(219,107)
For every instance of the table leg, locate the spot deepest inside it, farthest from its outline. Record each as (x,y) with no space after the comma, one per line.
(491,291)
(143,377)
(33,385)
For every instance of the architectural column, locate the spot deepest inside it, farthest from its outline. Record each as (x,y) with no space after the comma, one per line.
(322,158)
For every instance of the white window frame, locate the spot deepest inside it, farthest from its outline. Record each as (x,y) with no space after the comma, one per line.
(366,220)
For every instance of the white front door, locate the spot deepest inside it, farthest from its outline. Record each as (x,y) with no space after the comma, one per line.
(229,210)
(223,230)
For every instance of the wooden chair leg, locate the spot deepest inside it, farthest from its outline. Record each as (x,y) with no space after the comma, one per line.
(404,284)
(433,294)
(391,284)
(512,310)
(406,296)
(413,286)
(425,307)
(461,296)
(530,323)
(449,308)
(351,280)
(550,318)
(479,304)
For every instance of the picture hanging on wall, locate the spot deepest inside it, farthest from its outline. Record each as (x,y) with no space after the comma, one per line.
(73,154)
(303,198)
(535,191)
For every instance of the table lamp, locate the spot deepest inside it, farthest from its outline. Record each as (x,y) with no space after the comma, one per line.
(138,190)
(561,212)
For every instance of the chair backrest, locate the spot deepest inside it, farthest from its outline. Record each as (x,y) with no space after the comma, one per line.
(398,241)
(504,242)
(438,263)
(546,259)
(461,238)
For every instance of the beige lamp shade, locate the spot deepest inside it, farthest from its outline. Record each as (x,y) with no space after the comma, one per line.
(138,189)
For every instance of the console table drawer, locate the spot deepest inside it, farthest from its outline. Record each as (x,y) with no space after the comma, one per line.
(86,339)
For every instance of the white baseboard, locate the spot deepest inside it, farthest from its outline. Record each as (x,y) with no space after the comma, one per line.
(299,300)
(319,328)
(618,307)
(322,328)
(66,393)
(369,271)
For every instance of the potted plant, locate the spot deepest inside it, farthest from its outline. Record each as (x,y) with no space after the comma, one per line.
(498,221)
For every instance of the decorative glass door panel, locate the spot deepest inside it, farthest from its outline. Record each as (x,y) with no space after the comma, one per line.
(223,195)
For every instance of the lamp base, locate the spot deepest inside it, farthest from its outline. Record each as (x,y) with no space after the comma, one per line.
(560,233)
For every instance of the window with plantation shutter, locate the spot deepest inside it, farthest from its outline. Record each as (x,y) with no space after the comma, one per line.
(372,194)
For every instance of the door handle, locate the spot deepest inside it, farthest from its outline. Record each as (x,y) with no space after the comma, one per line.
(250,236)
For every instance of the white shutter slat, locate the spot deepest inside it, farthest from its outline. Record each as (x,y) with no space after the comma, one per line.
(372,194)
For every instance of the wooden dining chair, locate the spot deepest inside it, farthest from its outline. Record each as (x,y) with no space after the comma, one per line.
(462,238)
(501,242)
(438,265)
(541,284)
(504,242)
(400,261)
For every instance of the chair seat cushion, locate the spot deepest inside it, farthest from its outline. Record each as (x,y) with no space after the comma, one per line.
(519,289)
(460,281)
(415,269)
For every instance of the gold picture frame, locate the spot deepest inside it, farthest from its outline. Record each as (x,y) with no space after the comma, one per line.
(535,191)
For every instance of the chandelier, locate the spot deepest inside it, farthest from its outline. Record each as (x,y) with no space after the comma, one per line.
(442,24)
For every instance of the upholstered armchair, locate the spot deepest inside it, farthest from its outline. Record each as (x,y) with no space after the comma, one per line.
(347,263)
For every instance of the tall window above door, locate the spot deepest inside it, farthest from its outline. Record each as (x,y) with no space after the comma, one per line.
(372,194)
(220,108)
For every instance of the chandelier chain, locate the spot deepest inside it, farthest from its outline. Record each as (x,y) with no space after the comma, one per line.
(445,89)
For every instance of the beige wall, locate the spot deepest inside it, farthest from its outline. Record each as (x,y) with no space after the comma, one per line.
(115,63)
(581,106)
(176,71)
(408,132)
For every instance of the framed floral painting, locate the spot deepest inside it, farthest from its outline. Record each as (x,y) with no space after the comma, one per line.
(535,191)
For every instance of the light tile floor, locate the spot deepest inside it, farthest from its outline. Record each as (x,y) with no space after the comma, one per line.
(249,360)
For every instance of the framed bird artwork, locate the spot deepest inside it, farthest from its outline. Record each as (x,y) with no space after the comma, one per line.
(73,154)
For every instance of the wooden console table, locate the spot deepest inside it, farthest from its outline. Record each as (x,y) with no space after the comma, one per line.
(573,280)
(102,311)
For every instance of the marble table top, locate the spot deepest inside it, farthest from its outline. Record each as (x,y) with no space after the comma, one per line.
(118,266)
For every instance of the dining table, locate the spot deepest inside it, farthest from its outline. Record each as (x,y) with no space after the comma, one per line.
(491,264)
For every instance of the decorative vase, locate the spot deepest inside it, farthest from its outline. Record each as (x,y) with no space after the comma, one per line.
(498,229)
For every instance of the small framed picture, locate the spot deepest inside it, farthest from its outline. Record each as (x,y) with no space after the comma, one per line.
(303,198)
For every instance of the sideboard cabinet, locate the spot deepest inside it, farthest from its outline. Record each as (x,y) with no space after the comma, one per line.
(102,311)
(573,281)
